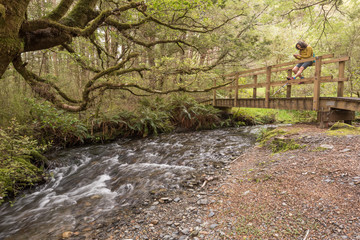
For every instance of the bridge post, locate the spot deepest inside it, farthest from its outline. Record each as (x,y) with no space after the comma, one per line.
(267,91)
(340,90)
(236,90)
(288,87)
(316,97)
(254,89)
(214,94)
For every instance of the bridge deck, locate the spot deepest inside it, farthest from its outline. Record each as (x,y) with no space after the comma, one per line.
(325,103)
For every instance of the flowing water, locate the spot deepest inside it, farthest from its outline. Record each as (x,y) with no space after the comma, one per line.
(97,179)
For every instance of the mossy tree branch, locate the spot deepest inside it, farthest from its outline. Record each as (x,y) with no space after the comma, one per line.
(60,10)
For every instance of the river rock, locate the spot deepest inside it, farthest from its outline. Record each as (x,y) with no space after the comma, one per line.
(67,234)
(154,222)
(95,197)
(203,202)
(165,200)
(212,226)
(327,146)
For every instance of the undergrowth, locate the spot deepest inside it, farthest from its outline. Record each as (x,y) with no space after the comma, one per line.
(278,140)
(21,164)
(253,116)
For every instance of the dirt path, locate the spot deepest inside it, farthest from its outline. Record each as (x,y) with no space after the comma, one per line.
(307,193)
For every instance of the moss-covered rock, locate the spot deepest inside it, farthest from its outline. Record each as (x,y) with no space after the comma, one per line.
(278,140)
(343,129)
(17,174)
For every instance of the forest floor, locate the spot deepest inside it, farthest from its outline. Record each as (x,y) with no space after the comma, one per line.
(312,192)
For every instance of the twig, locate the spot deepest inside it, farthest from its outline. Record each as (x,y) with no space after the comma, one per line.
(203,185)
(306,235)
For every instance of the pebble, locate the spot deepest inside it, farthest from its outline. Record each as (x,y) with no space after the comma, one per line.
(203,202)
(211,214)
(246,193)
(165,200)
(154,222)
(214,225)
(190,209)
(185,231)
(67,234)
(345,150)
(327,146)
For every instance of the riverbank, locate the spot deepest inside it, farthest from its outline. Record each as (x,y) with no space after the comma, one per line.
(308,193)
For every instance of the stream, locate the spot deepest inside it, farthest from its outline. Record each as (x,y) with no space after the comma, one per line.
(94,180)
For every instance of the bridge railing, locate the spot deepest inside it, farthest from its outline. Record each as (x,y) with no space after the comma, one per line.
(268,70)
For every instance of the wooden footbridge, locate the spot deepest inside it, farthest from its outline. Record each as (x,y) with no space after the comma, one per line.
(329,108)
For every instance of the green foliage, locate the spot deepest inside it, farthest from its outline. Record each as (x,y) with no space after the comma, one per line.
(253,116)
(14,143)
(57,126)
(268,133)
(152,122)
(283,145)
(16,168)
(158,115)
(187,113)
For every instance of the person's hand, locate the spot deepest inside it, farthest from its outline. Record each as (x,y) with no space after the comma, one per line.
(296,55)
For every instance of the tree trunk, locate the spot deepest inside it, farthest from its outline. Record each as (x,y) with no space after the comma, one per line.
(12,15)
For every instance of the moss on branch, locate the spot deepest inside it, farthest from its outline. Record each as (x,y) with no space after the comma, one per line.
(60,10)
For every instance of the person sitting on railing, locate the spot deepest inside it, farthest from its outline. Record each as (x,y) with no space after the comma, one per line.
(306,51)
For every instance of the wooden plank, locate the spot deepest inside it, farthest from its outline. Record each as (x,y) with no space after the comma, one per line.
(214,94)
(255,83)
(267,91)
(310,80)
(336,80)
(316,96)
(340,90)
(245,73)
(341,59)
(236,91)
(301,61)
(290,67)
(288,87)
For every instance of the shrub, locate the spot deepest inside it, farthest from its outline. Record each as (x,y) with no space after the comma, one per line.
(16,155)
(57,126)
(187,113)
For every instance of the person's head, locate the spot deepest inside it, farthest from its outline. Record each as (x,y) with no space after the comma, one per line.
(300,45)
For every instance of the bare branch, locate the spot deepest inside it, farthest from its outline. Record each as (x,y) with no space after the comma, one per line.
(79,60)
(151,44)
(127,86)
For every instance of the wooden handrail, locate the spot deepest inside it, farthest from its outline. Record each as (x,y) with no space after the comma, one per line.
(323,79)
(273,67)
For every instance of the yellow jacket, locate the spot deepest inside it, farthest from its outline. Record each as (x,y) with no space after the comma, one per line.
(306,53)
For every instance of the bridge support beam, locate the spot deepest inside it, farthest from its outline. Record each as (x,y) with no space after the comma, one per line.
(335,115)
